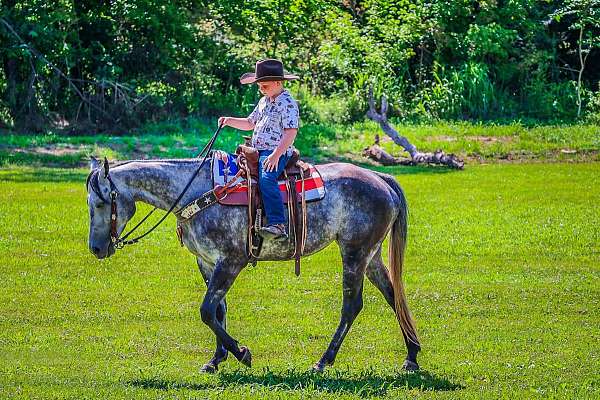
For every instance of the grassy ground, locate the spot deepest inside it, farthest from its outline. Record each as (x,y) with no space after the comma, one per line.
(502,274)
(477,142)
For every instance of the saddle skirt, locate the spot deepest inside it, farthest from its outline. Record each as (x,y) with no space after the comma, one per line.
(225,172)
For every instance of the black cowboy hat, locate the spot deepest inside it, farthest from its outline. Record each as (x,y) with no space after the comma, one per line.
(267,70)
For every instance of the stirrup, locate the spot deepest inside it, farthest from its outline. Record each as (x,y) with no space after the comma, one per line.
(267,233)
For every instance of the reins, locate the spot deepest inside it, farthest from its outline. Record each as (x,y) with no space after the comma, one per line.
(119,243)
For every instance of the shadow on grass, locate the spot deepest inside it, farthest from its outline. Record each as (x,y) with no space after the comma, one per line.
(32,174)
(366,383)
(8,158)
(411,169)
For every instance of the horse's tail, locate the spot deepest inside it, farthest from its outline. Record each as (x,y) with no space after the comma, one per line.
(396,248)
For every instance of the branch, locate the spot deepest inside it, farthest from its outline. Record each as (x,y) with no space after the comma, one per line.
(376,153)
(385,126)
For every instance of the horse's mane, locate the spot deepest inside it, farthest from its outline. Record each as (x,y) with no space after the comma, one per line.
(162,160)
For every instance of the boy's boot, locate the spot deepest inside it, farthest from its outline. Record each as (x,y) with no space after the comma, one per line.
(273,232)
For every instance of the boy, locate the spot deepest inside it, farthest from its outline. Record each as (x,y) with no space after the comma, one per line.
(275,121)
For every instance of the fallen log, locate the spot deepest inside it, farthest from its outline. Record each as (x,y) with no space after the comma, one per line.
(376,153)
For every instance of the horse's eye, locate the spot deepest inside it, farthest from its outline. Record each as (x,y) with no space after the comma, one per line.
(99,205)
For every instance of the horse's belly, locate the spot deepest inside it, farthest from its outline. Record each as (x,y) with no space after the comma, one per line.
(284,250)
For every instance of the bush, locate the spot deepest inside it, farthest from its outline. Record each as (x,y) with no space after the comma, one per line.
(337,109)
(593,108)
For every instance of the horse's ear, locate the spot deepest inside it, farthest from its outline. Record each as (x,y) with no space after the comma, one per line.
(94,163)
(105,167)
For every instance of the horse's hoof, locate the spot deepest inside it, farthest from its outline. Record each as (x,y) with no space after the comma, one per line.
(410,365)
(246,357)
(209,368)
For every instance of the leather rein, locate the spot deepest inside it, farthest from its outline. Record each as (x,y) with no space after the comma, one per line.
(120,242)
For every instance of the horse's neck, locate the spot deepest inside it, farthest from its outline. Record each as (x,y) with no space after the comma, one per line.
(160,183)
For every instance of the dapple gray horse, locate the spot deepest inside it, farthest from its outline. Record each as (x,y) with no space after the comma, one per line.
(359,209)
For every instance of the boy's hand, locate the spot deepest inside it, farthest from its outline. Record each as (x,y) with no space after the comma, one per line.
(222,156)
(270,163)
(223,121)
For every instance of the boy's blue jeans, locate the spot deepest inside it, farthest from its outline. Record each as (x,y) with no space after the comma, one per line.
(269,189)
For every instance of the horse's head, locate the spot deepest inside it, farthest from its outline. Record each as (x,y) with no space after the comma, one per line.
(105,201)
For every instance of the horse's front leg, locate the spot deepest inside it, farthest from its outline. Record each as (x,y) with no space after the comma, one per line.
(220,352)
(222,278)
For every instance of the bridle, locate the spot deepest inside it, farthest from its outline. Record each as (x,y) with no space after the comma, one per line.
(120,242)
(114,193)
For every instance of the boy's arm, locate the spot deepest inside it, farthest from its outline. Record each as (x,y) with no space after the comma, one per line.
(289,135)
(244,124)
(291,123)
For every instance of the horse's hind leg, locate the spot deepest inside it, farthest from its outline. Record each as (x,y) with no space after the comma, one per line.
(354,262)
(379,276)
(220,352)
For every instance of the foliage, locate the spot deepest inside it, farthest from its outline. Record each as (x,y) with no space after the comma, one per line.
(585,15)
(90,67)
(594,109)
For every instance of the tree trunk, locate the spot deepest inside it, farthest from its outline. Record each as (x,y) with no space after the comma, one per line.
(10,68)
(581,66)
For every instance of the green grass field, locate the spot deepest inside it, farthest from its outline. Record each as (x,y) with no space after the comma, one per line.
(502,274)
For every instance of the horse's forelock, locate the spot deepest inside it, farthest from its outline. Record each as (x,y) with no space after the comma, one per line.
(92,181)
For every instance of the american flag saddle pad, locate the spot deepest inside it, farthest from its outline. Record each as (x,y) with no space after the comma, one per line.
(224,172)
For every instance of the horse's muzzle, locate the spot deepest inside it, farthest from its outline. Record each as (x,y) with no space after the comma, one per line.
(102,252)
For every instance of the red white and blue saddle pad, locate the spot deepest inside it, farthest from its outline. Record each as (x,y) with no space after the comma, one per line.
(225,172)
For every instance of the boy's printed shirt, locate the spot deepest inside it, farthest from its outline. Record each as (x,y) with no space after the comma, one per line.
(271,118)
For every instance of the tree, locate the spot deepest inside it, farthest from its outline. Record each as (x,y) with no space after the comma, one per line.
(583,14)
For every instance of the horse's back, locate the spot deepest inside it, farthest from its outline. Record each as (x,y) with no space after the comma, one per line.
(357,182)
(358,202)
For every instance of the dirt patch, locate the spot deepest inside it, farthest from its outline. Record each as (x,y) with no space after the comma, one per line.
(58,150)
(442,138)
(51,150)
(522,156)
(446,138)
(512,157)
(492,139)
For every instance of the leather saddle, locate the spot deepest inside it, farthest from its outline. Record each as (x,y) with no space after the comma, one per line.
(294,166)
(295,170)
